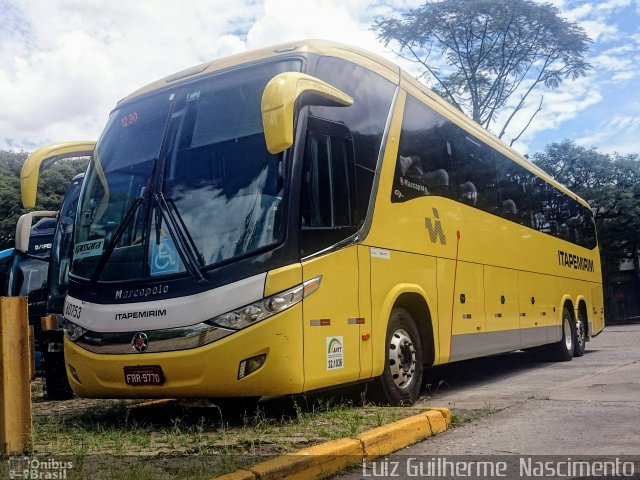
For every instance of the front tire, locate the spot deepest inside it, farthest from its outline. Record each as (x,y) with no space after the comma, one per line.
(56,384)
(401,377)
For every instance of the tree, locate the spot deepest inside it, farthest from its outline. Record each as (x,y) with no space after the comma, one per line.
(52,187)
(10,207)
(610,183)
(492,50)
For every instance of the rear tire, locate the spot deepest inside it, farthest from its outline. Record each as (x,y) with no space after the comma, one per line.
(562,351)
(401,377)
(581,335)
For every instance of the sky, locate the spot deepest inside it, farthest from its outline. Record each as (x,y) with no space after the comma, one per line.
(65,63)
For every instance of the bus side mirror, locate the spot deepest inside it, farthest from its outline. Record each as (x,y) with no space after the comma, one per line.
(278,102)
(23,228)
(44,157)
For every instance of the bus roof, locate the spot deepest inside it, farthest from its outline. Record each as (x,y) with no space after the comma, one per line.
(380,65)
(322,47)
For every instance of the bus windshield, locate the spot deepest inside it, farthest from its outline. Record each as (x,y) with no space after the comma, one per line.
(62,247)
(182,180)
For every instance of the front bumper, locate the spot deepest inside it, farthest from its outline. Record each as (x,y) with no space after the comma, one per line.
(207,371)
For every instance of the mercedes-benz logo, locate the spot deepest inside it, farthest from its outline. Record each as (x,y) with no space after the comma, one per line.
(140,342)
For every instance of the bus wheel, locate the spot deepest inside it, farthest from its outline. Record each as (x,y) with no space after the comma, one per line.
(581,335)
(401,378)
(563,350)
(56,384)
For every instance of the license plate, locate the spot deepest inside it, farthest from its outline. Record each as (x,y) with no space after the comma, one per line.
(143,375)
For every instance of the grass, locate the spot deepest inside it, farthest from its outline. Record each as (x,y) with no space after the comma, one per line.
(461,417)
(116,439)
(105,428)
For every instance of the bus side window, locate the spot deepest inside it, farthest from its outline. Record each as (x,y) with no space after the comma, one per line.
(365,118)
(475,172)
(512,185)
(559,215)
(424,155)
(563,213)
(328,205)
(576,224)
(543,216)
(587,228)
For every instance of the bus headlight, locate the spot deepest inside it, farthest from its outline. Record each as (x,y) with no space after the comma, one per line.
(267,307)
(72,331)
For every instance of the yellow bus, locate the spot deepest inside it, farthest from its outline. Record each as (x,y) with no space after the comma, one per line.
(308,216)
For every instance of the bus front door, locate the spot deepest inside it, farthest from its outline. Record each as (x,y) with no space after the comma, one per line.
(332,320)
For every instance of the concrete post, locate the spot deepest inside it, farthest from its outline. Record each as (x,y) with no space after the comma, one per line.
(15,387)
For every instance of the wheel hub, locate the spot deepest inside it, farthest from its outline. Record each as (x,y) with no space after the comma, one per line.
(402,358)
(568,337)
(581,334)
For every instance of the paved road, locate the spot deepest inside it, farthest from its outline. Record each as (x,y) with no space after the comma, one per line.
(589,406)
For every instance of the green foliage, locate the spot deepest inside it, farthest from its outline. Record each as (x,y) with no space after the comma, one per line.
(488,50)
(10,206)
(610,183)
(53,185)
(54,182)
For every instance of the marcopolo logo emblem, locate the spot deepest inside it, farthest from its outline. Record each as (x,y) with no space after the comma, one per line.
(140,342)
(435,229)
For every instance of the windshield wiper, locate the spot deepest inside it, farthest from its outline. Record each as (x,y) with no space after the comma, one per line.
(114,240)
(182,239)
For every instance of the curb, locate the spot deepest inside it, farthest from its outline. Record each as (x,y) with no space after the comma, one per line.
(331,457)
